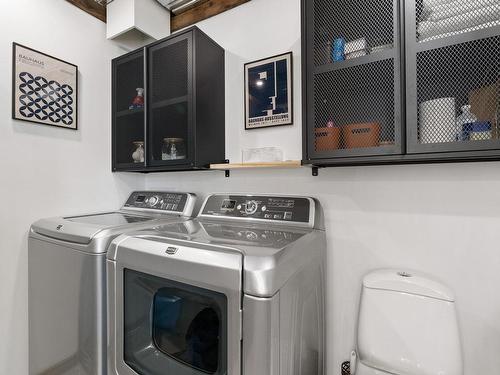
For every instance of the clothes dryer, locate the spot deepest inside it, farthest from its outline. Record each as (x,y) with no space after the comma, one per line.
(239,290)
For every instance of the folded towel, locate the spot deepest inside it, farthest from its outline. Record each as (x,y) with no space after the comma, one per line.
(457,7)
(438,34)
(483,16)
(431,4)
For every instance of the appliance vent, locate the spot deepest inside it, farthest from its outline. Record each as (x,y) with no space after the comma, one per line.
(174,6)
(179,6)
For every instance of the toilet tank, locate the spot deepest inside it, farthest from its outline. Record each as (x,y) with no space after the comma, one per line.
(408,325)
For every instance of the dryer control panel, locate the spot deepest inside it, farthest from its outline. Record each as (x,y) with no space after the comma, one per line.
(260,207)
(161,201)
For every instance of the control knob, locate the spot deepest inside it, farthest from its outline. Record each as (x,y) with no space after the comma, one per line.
(251,236)
(251,207)
(154,200)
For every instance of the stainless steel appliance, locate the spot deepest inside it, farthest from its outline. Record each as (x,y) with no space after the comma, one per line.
(67,280)
(239,290)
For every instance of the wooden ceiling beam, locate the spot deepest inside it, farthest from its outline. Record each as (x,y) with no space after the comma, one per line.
(92,7)
(207,9)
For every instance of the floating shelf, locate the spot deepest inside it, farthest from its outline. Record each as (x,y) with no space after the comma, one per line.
(362,60)
(277,164)
(128,112)
(169,102)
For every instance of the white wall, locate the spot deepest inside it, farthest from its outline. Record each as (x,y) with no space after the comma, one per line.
(441,219)
(49,171)
(256,30)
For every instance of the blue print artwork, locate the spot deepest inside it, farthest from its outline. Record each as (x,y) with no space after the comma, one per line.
(268,95)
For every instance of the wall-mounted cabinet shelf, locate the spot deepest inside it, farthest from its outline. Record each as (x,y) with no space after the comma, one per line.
(130,112)
(372,58)
(279,164)
(182,123)
(396,90)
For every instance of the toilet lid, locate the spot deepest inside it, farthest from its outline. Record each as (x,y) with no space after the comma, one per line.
(408,282)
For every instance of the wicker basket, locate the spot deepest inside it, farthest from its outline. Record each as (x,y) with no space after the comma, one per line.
(362,135)
(327,138)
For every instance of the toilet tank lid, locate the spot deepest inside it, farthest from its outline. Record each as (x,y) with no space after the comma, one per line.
(408,282)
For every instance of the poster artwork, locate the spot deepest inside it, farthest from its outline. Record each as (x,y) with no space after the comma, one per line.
(268,92)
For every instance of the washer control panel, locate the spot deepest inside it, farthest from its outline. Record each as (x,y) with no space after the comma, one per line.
(164,201)
(260,207)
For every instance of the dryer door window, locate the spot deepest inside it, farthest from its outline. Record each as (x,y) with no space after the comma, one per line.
(173,328)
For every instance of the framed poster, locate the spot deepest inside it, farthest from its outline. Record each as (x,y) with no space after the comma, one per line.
(268,92)
(45,89)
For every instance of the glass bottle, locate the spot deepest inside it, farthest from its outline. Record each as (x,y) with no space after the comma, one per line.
(138,101)
(173,149)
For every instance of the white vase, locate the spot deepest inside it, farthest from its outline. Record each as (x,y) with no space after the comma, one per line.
(138,154)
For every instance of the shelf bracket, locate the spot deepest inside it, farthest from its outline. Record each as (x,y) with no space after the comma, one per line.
(227,173)
(315,171)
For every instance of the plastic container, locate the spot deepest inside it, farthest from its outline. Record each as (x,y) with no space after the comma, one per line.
(338,51)
(173,149)
(464,123)
(262,155)
(481,131)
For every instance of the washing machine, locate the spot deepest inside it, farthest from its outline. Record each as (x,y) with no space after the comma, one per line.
(67,280)
(237,291)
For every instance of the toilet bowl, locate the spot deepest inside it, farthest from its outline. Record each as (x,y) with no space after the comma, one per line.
(361,369)
(407,325)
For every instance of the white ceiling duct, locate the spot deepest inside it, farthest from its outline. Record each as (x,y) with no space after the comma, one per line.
(136,20)
(179,6)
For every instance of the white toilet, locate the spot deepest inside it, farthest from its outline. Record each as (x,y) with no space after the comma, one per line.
(407,326)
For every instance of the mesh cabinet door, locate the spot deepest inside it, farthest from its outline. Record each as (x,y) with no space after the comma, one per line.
(453,80)
(353,78)
(170,109)
(128,111)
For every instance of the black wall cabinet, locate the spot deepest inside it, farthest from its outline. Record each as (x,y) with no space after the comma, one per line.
(404,73)
(182,123)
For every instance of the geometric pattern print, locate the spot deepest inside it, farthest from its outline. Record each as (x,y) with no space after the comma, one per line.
(45,100)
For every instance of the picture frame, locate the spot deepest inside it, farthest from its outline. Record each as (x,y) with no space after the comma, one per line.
(269,92)
(44,88)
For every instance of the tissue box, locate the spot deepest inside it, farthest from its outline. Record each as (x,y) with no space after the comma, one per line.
(356,45)
(262,155)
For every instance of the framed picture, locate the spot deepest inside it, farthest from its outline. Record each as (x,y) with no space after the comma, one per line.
(269,92)
(45,89)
